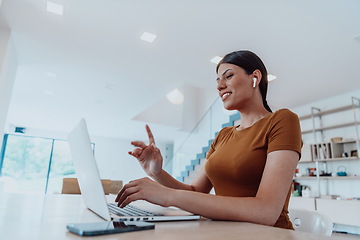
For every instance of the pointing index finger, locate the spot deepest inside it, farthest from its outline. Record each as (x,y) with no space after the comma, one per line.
(150,135)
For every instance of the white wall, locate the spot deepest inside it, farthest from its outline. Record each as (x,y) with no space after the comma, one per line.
(8,66)
(113,159)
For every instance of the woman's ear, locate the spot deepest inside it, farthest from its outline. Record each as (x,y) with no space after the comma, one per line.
(257,74)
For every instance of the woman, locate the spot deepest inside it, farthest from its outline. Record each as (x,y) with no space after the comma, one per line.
(250,166)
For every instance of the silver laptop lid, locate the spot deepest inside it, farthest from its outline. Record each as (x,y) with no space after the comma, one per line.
(87,170)
(92,189)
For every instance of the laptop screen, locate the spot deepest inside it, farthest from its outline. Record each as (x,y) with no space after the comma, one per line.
(87,170)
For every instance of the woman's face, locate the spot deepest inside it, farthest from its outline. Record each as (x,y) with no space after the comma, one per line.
(235,86)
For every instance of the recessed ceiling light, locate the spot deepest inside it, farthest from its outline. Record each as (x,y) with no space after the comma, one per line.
(55,8)
(271,77)
(148,37)
(216,59)
(175,96)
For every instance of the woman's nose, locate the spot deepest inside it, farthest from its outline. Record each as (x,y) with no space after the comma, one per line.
(220,85)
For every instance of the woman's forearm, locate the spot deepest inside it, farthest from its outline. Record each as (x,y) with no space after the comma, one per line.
(167,180)
(248,209)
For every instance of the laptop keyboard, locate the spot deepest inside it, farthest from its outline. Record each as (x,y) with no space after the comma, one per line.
(129,211)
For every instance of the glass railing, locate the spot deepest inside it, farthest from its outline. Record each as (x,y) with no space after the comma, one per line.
(204,131)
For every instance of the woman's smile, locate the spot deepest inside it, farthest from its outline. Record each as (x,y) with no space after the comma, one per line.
(225,96)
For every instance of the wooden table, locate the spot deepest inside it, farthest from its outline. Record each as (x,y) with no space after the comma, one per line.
(37,216)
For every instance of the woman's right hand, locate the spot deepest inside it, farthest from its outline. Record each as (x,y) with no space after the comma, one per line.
(149,156)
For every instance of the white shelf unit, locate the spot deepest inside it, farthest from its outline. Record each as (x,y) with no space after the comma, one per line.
(326,151)
(320,151)
(334,150)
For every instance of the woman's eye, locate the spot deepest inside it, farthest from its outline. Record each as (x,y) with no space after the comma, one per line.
(229,76)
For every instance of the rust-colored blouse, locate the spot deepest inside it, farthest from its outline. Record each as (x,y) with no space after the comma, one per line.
(236,159)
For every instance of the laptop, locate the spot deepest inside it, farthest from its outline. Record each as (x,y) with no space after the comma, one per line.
(93,192)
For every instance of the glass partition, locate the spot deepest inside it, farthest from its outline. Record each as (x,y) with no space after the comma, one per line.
(199,139)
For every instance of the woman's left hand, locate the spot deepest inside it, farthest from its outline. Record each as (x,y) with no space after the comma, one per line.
(144,189)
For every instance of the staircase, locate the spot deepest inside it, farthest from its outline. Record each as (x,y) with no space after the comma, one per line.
(196,164)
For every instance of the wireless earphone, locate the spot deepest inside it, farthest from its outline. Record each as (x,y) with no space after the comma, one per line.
(254,84)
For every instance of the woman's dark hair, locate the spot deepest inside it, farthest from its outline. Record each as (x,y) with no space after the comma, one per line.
(249,61)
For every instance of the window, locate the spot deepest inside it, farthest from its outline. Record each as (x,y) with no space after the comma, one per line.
(32,164)
(61,166)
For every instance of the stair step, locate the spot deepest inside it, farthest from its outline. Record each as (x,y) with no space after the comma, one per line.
(229,124)
(194,167)
(196,164)
(200,155)
(190,167)
(205,150)
(189,179)
(197,168)
(193,174)
(180,179)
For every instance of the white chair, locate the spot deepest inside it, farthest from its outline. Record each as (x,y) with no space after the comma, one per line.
(311,221)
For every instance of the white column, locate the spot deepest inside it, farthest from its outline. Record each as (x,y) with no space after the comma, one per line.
(8,67)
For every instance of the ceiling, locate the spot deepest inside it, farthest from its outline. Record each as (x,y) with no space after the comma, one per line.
(91,62)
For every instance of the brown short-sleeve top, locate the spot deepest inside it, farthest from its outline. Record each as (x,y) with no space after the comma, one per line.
(236,159)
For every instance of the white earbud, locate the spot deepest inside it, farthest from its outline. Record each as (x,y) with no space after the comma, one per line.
(254,84)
